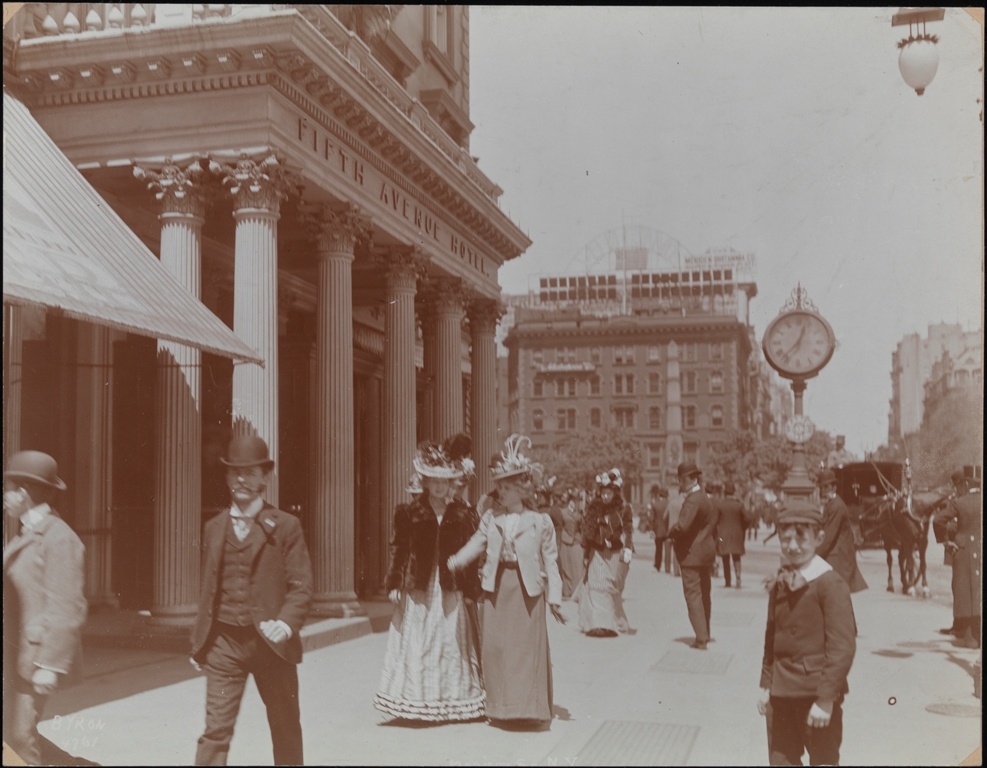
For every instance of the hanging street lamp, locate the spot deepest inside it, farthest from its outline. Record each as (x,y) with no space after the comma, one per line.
(919,57)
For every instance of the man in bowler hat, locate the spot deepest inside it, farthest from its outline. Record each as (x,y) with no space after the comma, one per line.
(44,606)
(256,592)
(695,549)
(962,520)
(838,547)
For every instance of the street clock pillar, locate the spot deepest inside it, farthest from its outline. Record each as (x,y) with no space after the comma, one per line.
(798,344)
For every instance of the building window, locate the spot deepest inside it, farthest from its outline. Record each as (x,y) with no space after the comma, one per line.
(623,355)
(539,388)
(537,357)
(565,387)
(690,352)
(689,383)
(538,420)
(655,451)
(624,417)
(716,416)
(565,418)
(690,452)
(623,384)
(654,354)
(654,418)
(654,383)
(716,351)
(716,382)
(594,385)
(594,418)
(596,356)
(689,416)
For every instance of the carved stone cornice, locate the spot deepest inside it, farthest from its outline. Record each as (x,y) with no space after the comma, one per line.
(178,190)
(337,227)
(261,185)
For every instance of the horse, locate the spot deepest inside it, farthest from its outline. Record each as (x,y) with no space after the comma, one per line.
(904,520)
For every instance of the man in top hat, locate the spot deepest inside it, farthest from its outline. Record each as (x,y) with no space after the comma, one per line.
(809,645)
(839,547)
(693,536)
(839,455)
(256,593)
(962,519)
(44,605)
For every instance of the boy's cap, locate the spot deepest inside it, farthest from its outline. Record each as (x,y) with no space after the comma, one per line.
(795,511)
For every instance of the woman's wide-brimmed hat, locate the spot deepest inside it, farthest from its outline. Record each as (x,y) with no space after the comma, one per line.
(414,486)
(431,460)
(247,451)
(35,466)
(611,479)
(511,461)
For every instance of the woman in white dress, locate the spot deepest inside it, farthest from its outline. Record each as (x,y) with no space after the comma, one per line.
(432,664)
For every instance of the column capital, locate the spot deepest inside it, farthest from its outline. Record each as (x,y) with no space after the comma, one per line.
(337,227)
(178,190)
(485,313)
(445,295)
(256,184)
(404,263)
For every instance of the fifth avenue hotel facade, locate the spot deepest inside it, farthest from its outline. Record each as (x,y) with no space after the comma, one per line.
(304,172)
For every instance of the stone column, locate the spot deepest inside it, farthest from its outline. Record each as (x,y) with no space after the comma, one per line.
(13,372)
(93,449)
(483,316)
(333,541)
(257,189)
(446,299)
(403,268)
(178,436)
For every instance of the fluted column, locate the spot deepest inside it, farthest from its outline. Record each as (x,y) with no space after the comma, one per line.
(446,299)
(483,316)
(257,190)
(403,268)
(13,371)
(178,436)
(333,542)
(93,449)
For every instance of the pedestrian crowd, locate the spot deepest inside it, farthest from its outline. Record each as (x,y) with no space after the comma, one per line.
(472,588)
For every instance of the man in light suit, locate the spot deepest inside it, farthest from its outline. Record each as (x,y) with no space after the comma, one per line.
(256,593)
(695,550)
(43,604)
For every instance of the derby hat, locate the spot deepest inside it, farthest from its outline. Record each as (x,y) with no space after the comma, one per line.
(247,451)
(826,477)
(688,469)
(797,511)
(35,466)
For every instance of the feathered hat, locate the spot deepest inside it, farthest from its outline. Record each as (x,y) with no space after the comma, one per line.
(431,460)
(511,461)
(611,479)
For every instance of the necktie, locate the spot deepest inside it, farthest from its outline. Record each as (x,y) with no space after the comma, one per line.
(790,579)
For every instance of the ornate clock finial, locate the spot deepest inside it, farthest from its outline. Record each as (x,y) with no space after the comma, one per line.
(799,299)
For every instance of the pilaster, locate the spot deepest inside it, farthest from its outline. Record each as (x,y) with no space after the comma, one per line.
(483,316)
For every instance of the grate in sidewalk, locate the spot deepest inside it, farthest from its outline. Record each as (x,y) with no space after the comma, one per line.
(622,742)
(693,662)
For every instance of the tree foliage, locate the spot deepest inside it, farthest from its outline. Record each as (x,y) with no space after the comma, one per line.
(577,459)
(951,437)
(745,460)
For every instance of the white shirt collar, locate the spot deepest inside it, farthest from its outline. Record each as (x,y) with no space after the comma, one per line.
(815,568)
(33,517)
(253,508)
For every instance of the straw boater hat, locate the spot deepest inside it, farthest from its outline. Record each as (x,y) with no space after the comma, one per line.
(511,461)
(35,466)
(431,460)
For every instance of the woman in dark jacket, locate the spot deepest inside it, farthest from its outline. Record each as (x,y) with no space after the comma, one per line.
(432,664)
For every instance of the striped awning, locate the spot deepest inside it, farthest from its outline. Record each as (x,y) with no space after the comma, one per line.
(65,249)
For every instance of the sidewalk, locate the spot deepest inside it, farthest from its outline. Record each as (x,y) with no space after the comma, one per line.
(640,699)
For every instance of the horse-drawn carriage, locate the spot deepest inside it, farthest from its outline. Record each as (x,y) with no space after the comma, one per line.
(886,512)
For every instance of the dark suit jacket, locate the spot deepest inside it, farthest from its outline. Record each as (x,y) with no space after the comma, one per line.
(419,541)
(839,548)
(280,579)
(731,526)
(809,642)
(967,534)
(693,533)
(44,604)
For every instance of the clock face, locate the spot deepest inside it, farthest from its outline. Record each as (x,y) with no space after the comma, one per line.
(798,344)
(799,429)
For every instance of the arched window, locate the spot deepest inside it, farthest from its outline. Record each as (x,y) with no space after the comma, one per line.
(716,416)
(716,381)
(654,417)
(538,420)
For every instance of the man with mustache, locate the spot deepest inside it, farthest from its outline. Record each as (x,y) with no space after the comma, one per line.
(256,593)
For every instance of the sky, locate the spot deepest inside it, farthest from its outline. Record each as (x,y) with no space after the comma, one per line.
(786,133)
